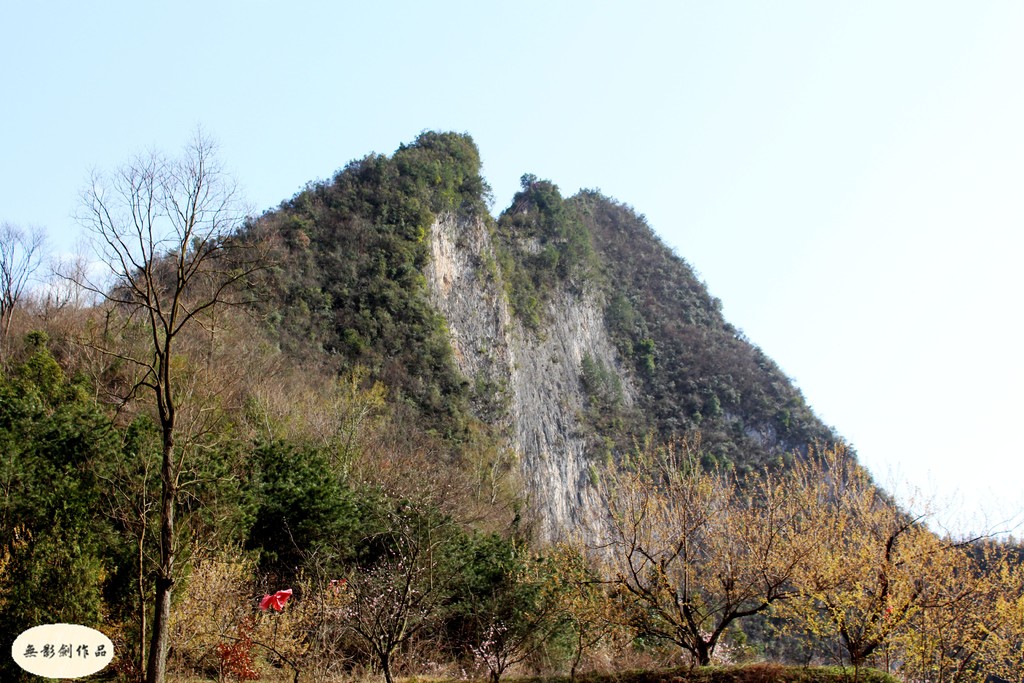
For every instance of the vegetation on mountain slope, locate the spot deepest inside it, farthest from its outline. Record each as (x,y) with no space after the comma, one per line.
(347,285)
(330,447)
(697,371)
(542,245)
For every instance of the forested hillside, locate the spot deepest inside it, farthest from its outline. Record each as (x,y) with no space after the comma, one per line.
(378,431)
(697,371)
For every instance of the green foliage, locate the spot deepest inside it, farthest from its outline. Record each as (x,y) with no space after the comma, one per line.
(541,244)
(50,577)
(349,280)
(696,370)
(56,549)
(645,356)
(602,385)
(609,423)
(507,604)
(442,170)
(487,563)
(302,508)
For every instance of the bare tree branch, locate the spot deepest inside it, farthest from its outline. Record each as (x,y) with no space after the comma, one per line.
(21,255)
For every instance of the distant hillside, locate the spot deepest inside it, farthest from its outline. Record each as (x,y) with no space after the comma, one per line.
(565,329)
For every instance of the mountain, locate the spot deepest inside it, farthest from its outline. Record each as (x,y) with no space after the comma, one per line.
(565,330)
(393,406)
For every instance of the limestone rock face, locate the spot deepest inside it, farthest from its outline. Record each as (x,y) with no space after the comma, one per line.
(537,371)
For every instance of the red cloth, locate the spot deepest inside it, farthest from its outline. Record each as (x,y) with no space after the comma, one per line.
(276,601)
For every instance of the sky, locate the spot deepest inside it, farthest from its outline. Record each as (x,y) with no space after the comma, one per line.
(846,177)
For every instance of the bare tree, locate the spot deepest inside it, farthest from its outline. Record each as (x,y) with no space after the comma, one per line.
(164,227)
(62,291)
(398,597)
(20,257)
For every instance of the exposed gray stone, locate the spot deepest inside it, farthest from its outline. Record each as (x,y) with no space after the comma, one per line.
(540,370)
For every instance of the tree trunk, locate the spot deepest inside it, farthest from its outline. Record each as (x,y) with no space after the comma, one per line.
(142,598)
(156,671)
(703,653)
(578,657)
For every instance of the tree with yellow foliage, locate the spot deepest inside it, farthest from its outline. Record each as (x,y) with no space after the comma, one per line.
(972,627)
(893,592)
(691,551)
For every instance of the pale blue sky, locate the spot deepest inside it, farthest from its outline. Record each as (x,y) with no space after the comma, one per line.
(845,176)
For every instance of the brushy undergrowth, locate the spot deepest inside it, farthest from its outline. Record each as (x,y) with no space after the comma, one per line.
(753,673)
(766,672)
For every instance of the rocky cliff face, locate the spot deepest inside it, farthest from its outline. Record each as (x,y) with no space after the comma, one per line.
(538,372)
